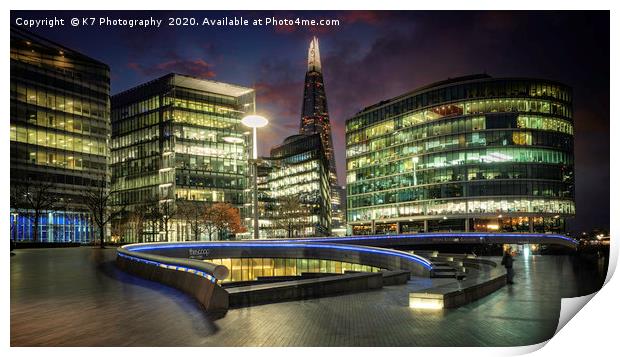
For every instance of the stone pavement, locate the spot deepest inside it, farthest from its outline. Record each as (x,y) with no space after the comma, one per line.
(76,297)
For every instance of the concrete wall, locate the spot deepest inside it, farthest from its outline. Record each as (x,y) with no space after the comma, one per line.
(304,289)
(210,295)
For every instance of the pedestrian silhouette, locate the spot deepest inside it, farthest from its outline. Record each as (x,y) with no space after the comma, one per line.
(507,263)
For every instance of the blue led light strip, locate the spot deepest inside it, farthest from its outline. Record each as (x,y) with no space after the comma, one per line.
(308,243)
(411,257)
(171,267)
(433,235)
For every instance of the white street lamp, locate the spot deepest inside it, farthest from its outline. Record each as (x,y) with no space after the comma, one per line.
(255,121)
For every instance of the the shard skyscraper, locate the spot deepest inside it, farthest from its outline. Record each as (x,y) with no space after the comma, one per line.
(315,119)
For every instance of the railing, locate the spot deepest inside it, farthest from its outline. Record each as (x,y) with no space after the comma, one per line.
(446,237)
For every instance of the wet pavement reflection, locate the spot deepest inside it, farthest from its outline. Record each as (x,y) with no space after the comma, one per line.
(76,297)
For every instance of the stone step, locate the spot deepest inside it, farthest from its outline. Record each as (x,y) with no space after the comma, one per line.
(444,269)
(444,275)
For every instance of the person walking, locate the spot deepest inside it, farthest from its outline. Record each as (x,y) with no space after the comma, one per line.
(507,263)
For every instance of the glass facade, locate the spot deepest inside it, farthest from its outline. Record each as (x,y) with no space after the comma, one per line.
(59,132)
(339,204)
(315,120)
(296,196)
(59,227)
(474,153)
(246,269)
(179,138)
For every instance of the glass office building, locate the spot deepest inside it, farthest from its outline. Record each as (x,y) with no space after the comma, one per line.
(315,120)
(248,269)
(339,205)
(296,201)
(179,138)
(473,153)
(266,202)
(59,133)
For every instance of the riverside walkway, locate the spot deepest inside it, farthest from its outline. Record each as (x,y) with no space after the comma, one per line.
(77,297)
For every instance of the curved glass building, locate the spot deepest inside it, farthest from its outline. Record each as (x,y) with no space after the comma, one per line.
(474,153)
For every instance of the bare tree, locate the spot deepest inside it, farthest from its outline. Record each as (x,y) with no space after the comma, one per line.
(168,212)
(33,199)
(136,221)
(193,213)
(209,221)
(290,215)
(153,216)
(98,201)
(119,227)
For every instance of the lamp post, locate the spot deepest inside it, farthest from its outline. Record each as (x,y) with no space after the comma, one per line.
(254,122)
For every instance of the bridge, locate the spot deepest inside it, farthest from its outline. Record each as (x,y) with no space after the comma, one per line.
(447,238)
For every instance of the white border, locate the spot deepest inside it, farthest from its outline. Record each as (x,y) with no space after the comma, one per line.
(589,332)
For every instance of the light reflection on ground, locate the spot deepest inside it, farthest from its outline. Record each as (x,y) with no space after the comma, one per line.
(76,297)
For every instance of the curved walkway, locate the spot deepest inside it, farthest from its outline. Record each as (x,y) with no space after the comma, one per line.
(389,240)
(77,297)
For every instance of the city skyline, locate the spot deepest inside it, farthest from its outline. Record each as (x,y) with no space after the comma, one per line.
(370,50)
(313,178)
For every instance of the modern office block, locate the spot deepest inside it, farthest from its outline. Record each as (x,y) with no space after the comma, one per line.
(473,153)
(180,139)
(60,130)
(297,200)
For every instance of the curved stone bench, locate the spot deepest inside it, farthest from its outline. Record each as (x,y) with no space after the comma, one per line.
(196,278)
(303,289)
(480,282)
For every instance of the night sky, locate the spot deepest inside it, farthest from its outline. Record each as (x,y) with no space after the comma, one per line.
(373,56)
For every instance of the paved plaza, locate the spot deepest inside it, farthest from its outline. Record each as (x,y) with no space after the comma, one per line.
(77,297)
